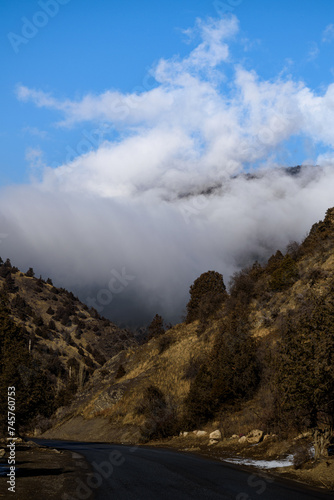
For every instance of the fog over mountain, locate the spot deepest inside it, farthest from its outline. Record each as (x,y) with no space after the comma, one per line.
(130,224)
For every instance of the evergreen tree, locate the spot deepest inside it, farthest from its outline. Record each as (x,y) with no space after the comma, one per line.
(304,377)
(208,292)
(34,392)
(156,327)
(30,273)
(10,286)
(232,373)
(285,275)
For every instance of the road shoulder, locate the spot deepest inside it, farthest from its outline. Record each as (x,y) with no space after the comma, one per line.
(45,473)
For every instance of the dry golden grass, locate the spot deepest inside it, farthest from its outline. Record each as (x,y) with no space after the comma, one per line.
(145,366)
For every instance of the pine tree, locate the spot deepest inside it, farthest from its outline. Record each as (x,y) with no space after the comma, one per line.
(156,327)
(34,392)
(30,273)
(304,375)
(207,292)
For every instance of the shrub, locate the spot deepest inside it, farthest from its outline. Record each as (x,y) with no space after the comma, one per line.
(78,333)
(164,342)
(120,372)
(199,403)
(192,368)
(243,284)
(38,320)
(99,358)
(274,262)
(52,325)
(285,275)
(301,456)
(161,420)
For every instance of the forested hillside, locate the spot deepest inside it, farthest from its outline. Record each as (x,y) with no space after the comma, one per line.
(255,353)
(51,344)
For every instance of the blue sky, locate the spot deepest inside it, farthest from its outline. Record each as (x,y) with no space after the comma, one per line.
(90,47)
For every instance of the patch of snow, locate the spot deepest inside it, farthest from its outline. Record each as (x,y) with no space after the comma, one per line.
(261,464)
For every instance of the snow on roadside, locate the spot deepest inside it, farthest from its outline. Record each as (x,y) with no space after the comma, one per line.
(261,464)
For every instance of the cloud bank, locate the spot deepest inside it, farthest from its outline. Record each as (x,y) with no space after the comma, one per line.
(168,198)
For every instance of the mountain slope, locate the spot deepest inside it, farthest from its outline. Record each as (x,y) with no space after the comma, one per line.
(63,337)
(196,372)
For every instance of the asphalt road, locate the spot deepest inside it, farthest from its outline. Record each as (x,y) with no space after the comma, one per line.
(125,473)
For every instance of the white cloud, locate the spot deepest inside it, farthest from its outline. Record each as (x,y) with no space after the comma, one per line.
(41,99)
(136,201)
(313,52)
(328,33)
(36,132)
(35,159)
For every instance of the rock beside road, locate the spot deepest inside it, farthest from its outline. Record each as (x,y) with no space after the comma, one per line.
(255,436)
(215,434)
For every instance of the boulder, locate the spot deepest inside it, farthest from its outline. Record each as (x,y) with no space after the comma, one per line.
(255,436)
(213,441)
(235,436)
(243,439)
(201,433)
(2,452)
(216,434)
